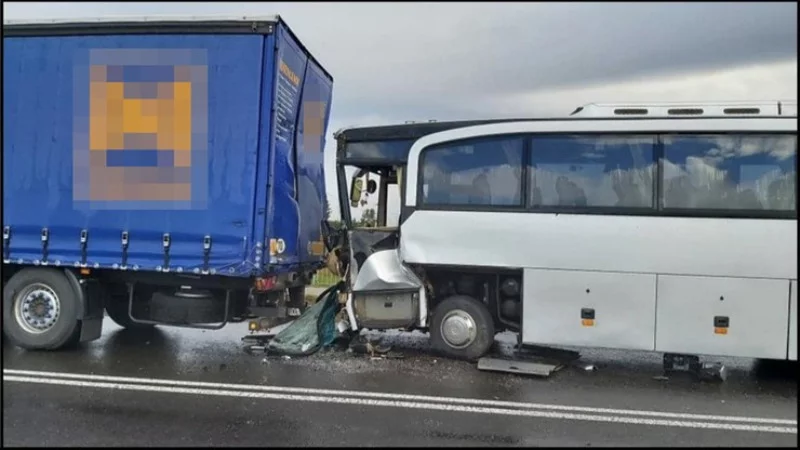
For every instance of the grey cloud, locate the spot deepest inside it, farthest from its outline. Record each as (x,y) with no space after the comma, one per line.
(548,46)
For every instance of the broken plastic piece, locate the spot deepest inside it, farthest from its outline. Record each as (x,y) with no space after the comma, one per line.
(315,329)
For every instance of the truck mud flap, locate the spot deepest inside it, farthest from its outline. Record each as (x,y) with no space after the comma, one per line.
(90,297)
(91,329)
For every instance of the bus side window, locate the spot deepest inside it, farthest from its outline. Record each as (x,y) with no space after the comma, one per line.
(483,172)
(730,172)
(592,171)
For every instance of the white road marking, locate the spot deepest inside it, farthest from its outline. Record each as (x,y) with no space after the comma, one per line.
(402,401)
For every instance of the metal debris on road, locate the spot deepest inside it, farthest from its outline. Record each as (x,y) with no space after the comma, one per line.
(714,372)
(539,369)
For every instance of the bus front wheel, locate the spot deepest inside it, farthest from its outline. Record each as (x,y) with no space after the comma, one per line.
(462,328)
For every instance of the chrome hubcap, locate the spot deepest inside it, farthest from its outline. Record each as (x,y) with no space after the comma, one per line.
(458,329)
(37,308)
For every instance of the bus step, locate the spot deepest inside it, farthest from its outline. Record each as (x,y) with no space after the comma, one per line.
(550,353)
(538,369)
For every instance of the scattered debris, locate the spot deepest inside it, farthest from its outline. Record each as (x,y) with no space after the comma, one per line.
(258,339)
(394,355)
(590,368)
(256,343)
(255,349)
(364,346)
(714,372)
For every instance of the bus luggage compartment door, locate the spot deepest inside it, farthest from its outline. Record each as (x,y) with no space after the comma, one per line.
(719,316)
(592,309)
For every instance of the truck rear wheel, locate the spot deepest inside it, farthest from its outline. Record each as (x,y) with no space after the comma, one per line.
(40,310)
(462,328)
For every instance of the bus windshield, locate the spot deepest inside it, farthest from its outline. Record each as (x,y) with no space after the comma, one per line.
(373,196)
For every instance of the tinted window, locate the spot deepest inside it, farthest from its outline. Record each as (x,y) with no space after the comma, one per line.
(396,150)
(599,171)
(486,172)
(744,172)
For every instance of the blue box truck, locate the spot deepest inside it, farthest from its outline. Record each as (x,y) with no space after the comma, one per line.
(164,170)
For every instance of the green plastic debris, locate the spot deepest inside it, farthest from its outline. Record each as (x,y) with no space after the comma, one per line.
(313,330)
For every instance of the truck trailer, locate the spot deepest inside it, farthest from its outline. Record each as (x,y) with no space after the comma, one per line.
(161,170)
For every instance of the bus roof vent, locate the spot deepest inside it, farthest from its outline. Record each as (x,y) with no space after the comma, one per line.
(685,111)
(630,112)
(723,109)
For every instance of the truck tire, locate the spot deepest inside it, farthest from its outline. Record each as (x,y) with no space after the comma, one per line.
(40,310)
(462,328)
(116,305)
(171,309)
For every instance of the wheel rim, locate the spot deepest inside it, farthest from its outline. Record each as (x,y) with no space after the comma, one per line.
(458,329)
(37,308)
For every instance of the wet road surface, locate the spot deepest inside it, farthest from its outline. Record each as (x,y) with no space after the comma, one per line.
(181,387)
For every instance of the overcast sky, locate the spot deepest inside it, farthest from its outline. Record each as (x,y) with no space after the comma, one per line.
(393,62)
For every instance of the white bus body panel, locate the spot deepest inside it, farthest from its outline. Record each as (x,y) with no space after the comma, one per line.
(792,353)
(563,252)
(757,248)
(624,307)
(756,309)
(677,267)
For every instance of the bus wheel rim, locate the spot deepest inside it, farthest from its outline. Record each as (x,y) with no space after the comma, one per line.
(458,329)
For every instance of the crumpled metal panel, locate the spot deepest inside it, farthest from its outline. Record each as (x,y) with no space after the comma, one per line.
(383,270)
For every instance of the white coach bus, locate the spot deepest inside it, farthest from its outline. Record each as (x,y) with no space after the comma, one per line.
(667,228)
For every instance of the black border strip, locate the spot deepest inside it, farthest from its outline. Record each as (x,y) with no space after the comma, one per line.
(123,26)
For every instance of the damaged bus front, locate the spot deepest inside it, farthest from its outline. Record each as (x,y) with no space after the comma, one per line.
(382,292)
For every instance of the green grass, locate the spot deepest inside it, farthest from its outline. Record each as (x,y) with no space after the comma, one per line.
(324,278)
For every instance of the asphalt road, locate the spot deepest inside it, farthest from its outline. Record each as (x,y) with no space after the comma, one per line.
(176,387)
